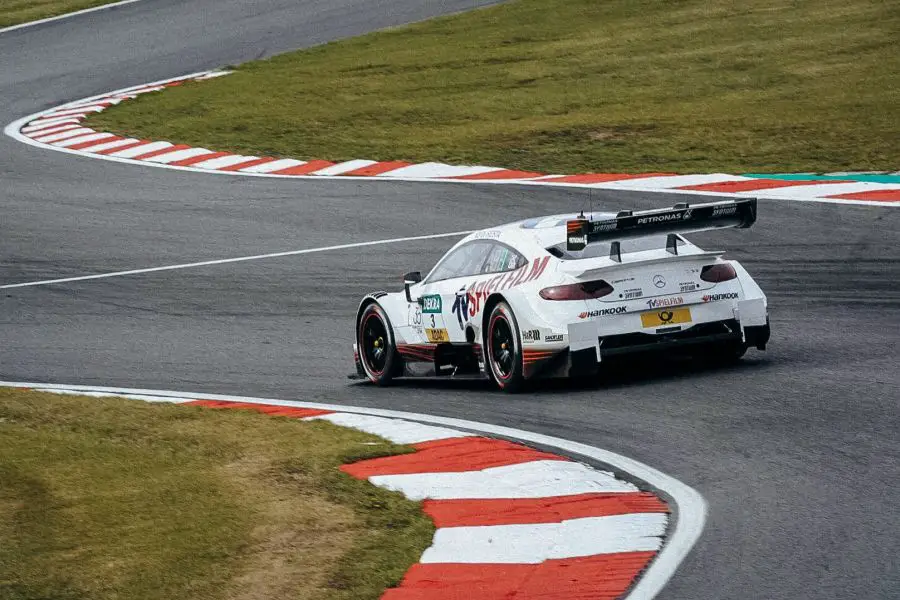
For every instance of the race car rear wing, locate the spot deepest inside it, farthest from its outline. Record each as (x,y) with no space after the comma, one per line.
(681,218)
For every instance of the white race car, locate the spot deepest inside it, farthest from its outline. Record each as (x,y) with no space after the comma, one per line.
(557,296)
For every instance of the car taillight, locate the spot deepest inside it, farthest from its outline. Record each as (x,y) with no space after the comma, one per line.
(717,273)
(577,291)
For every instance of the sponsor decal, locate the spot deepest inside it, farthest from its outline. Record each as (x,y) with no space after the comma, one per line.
(603,312)
(557,337)
(666,317)
(490,234)
(578,239)
(605,225)
(661,302)
(436,336)
(687,286)
(530,336)
(724,211)
(431,304)
(659,218)
(659,281)
(416,317)
(633,293)
(717,297)
(461,308)
(472,301)
(615,281)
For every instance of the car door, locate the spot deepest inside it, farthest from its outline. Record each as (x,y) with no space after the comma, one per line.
(459,268)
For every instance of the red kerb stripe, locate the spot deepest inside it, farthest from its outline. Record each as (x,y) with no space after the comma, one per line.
(600,577)
(556,509)
(269,409)
(500,174)
(377,169)
(877,196)
(750,185)
(186,162)
(313,165)
(112,138)
(451,455)
(174,148)
(248,163)
(123,147)
(602,177)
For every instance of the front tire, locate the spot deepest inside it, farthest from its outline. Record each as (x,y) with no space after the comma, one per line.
(376,347)
(504,349)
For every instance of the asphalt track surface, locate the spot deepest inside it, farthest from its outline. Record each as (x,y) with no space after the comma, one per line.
(796,450)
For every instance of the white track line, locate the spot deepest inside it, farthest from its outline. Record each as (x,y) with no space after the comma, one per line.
(223,261)
(66,16)
(690,516)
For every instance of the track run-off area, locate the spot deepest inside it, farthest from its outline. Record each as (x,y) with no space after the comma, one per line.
(794,450)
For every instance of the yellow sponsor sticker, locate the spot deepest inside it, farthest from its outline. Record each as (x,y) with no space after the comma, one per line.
(437,335)
(666,316)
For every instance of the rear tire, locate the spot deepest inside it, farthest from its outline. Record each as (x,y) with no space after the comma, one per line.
(375,344)
(503,349)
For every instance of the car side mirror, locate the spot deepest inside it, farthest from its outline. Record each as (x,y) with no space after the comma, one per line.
(409,279)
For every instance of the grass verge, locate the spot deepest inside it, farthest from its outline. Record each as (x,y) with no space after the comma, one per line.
(570,86)
(14,12)
(105,498)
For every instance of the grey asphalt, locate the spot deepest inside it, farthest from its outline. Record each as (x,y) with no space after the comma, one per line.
(796,450)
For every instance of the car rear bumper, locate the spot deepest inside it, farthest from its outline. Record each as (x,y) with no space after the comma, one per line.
(741,322)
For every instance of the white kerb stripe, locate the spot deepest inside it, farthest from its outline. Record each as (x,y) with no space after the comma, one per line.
(223,161)
(674,181)
(36,129)
(83,138)
(54,120)
(536,479)
(344,167)
(537,542)
(81,110)
(435,169)
(54,137)
(142,149)
(176,155)
(94,102)
(395,430)
(53,129)
(144,397)
(826,189)
(275,165)
(109,145)
(212,75)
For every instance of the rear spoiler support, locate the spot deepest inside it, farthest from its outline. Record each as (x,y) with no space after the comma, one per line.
(681,218)
(671,244)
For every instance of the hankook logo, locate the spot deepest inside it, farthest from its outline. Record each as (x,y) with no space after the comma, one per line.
(601,312)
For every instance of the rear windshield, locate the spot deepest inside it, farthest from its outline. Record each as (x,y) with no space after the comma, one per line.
(598,249)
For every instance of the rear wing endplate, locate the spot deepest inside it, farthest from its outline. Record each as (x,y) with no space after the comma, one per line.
(681,218)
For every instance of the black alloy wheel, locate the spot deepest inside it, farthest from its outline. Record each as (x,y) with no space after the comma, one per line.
(375,345)
(504,355)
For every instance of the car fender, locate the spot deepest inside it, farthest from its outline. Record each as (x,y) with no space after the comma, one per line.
(395,305)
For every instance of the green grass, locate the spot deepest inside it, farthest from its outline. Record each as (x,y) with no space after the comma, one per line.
(13,12)
(111,499)
(570,86)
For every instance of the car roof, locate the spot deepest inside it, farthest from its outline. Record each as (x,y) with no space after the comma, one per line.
(528,234)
